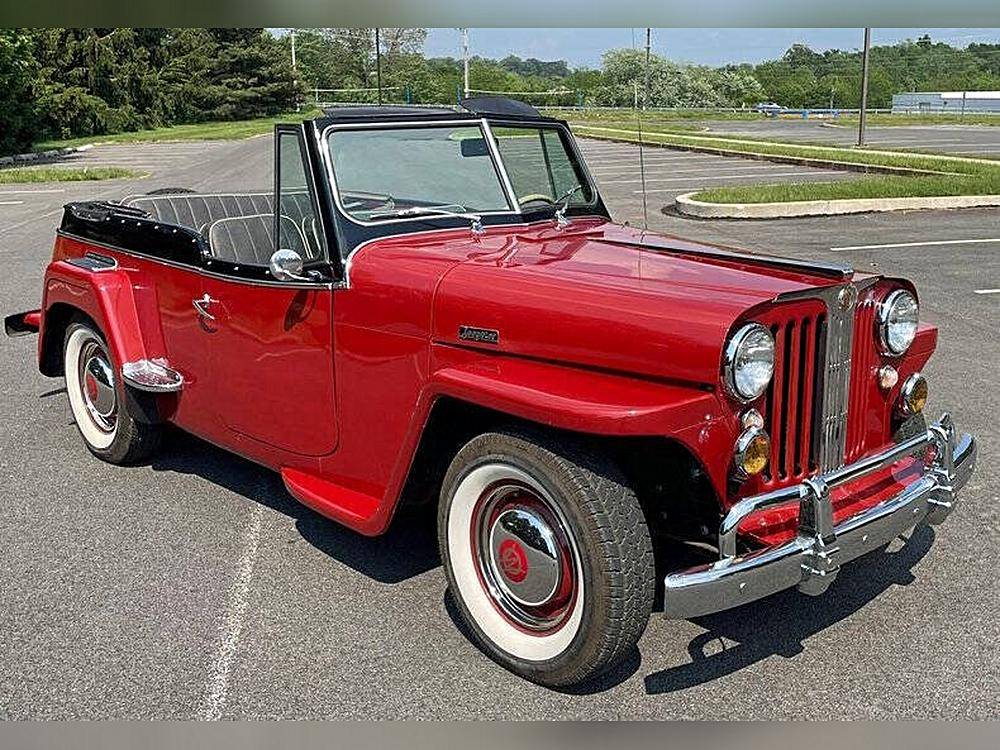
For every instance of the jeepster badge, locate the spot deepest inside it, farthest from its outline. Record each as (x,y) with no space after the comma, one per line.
(479,335)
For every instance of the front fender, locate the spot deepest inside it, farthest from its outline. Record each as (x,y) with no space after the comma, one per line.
(570,398)
(111,298)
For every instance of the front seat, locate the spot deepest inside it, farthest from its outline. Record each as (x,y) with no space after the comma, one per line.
(250,239)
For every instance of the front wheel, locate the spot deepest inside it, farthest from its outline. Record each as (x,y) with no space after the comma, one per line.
(97,399)
(547,554)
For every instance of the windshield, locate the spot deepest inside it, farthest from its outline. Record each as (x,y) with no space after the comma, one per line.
(381,172)
(391,173)
(542,169)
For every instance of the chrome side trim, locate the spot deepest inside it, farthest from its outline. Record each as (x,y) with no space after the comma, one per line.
(811,560)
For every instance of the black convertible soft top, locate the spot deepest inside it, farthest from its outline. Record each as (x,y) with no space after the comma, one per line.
(472,108)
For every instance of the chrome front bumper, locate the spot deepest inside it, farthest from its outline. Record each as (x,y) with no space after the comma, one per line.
(812,559)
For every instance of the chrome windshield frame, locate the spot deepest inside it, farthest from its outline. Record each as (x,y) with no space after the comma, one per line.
(483,123)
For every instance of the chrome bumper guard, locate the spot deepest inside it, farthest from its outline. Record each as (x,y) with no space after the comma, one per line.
(812,559)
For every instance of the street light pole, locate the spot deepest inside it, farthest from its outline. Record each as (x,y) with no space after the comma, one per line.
(378,65)
(465,61)
(645,96)
(293,49)
(864,87)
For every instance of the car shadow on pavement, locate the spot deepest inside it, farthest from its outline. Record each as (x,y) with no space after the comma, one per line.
(613,677)
(779,625)
(407,549)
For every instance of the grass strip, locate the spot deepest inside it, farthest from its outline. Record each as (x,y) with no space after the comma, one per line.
(63,174)
(877,186)
(202,131)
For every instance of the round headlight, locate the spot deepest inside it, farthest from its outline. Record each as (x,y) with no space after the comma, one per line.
(749,361)
(897,321)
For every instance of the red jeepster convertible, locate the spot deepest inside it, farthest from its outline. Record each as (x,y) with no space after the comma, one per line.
(434,306)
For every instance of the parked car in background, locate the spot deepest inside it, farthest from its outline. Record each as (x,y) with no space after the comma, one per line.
(434,306)
(769,108)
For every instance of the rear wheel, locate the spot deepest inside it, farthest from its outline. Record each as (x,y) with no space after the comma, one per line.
(547,555)
(97,399)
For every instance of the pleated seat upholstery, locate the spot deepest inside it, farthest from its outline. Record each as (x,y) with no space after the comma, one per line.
(250,239)
(239,226)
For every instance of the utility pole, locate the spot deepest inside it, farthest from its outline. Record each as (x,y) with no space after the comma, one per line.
(293,48)
(864,87)
(465,62)
(378,66)
(645,96)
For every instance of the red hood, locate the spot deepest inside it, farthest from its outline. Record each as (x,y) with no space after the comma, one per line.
(601,295)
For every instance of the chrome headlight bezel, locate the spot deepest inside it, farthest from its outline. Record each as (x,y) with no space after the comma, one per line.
(885,310)
(733,355)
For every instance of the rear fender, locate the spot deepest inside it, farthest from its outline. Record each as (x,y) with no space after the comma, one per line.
(122,306)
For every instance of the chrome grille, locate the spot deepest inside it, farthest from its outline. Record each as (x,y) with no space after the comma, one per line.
(839,335)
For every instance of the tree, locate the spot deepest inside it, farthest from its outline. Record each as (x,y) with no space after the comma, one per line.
(17,72)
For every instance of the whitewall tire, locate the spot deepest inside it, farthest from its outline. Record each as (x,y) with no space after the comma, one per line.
(98,399)
(547,555)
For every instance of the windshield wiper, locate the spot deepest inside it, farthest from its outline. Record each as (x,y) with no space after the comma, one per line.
(560,215)
(476,219)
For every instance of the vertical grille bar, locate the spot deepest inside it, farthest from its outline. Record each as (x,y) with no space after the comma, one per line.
(809,337)
(863,372)
(777,423)
(836,382)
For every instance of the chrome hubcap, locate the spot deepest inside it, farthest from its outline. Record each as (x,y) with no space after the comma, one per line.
(525,556)
(97,382)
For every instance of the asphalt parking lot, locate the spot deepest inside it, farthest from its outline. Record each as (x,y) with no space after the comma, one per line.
(615,167)
(196,587)
(967,140)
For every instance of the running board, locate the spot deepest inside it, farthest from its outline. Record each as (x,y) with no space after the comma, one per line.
(349,507)
(152,375)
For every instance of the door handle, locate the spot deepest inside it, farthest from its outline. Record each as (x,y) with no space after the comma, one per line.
(201,305)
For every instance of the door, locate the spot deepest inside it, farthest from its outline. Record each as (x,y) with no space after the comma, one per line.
(186,340)
(272,350)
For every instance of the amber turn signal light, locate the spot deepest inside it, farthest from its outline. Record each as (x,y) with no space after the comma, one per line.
(751,453)
(913,395)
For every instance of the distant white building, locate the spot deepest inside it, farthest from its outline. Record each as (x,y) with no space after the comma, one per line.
(947,101)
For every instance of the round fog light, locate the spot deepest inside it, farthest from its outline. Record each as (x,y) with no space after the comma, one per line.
(913,395)
(753,448)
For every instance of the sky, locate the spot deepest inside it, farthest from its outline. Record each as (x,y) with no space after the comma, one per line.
(583,47)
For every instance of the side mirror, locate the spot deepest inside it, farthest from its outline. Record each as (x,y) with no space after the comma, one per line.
(286,265)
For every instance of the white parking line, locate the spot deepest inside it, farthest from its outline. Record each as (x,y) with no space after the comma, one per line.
(11,203)
(232,625)
(744,169)
(986,291)
(31,192)
(737,176)
(928,243)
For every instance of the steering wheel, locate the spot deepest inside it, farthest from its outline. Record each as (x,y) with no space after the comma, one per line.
(534,197)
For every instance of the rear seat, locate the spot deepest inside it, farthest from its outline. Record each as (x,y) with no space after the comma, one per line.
(198,211)
(250,239)
(202,212)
